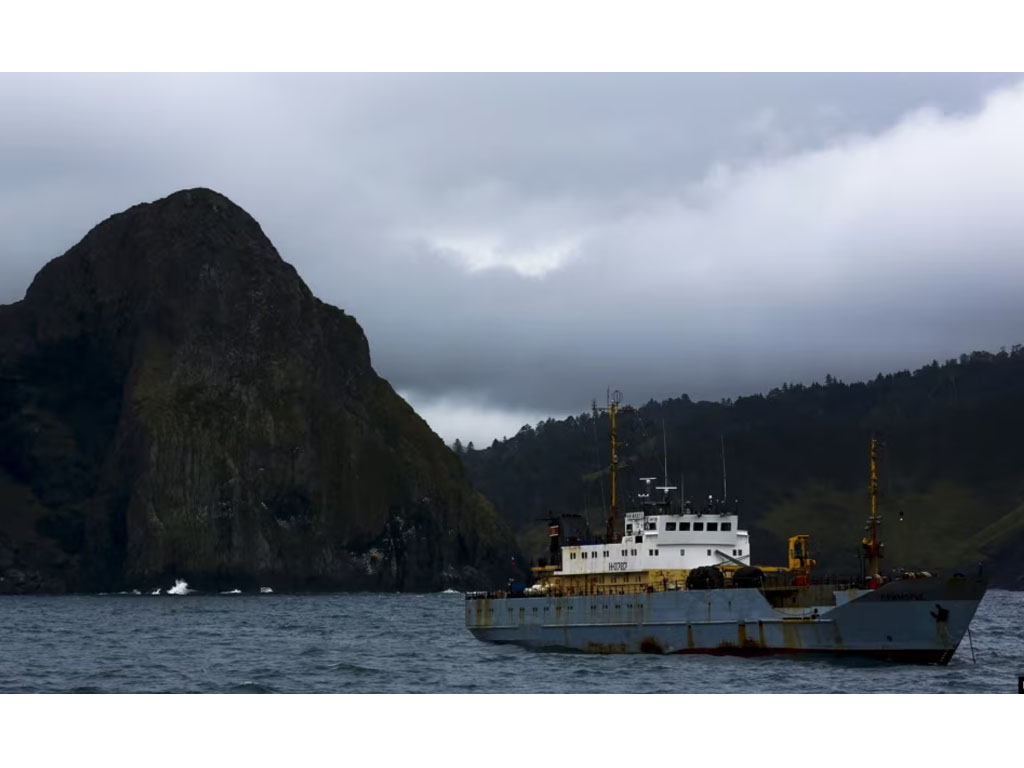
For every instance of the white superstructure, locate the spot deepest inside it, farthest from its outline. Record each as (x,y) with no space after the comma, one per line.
(661,539)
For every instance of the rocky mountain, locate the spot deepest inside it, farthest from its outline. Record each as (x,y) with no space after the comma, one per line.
(175,403)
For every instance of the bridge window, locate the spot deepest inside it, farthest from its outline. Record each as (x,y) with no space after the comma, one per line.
(698,526)
(606,553)
(682,552)
(629,527)
(584,555)
(726,526)
(712,526)
(709,553)
(739,551)
(684,526)
(650,526)
(670,526)
(632,552)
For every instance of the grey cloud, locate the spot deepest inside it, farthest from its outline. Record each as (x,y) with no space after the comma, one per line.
(714,234)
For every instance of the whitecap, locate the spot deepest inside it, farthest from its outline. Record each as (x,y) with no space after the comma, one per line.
(156,591)
(451,592)
(180,588)
(266,591)
(232,592)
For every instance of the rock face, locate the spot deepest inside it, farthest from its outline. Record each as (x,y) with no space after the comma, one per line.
(175,403)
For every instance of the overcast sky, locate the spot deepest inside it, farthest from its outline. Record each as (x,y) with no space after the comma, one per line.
(514,245)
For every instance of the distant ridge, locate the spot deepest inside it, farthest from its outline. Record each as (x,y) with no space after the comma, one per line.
(797,462)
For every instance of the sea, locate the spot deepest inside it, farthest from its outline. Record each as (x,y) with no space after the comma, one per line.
(186,642)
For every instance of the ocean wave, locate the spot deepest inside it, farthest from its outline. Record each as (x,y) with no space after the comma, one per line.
(232,592)
(156,591)
(180,588)
(451,592)
(348,666)
(266,591)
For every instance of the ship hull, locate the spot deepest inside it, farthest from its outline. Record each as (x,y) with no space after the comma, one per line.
(919,620)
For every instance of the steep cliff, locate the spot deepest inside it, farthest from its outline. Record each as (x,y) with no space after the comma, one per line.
(174,402)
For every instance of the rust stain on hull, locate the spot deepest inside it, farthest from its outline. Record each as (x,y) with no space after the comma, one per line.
(743,640)
(650,645)
(483,613)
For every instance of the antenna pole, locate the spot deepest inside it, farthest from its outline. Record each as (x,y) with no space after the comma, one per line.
(725,483)
(614,466)
(664,449)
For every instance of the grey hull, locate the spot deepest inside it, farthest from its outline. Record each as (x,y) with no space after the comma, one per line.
(918,620)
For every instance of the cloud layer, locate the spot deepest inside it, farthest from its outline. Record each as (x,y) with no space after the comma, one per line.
(514,244)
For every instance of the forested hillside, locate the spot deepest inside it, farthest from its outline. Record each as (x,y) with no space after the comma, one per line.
(797,461)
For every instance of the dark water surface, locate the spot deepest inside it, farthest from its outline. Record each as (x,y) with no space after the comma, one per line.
(365,643)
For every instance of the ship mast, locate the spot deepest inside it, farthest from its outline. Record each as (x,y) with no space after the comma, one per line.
(872,546)
(612,407)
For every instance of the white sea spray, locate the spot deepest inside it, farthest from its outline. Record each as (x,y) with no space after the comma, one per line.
(180,588)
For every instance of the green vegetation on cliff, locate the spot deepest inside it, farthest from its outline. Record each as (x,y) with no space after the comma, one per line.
(175,403)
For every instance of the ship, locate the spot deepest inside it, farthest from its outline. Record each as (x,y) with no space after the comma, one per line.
(674,578)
